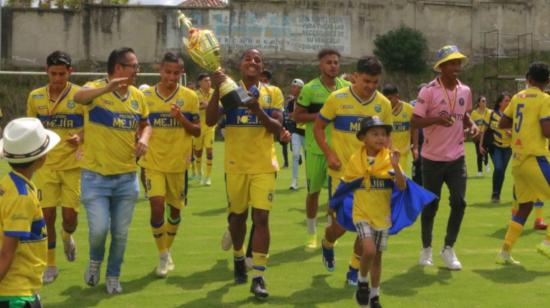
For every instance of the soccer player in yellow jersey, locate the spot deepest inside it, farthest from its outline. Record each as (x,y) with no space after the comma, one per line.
(174,116)
(480,116)
(206,139)
(250,164)
(23,242)
(343,112)
(58,182)
(115,113)
(404,139)
(528,115)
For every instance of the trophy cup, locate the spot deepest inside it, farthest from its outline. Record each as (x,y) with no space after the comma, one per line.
(204,49)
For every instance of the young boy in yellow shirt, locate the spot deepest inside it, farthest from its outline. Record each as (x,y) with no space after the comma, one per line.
(23,236)
(378,169)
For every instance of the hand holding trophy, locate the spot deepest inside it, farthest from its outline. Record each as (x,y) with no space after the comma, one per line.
(204,49)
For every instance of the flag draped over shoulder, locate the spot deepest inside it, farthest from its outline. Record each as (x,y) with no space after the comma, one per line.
(406,205)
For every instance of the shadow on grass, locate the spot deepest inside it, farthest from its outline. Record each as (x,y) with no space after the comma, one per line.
(500,233)
(510,274)
(296,254)
(84,296)
(217,273)
(490,206)
(320,292)
(416,277)
(213,212)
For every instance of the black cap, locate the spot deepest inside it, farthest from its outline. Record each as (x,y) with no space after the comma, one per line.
(370,122)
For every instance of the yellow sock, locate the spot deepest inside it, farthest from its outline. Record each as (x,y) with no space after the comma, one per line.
(171,230)
(159,234)
(260,263)
(208,167)
(514,231)
(65,235)
(328,244)
(51,254)
(198,165)
(238,253)
(355,261)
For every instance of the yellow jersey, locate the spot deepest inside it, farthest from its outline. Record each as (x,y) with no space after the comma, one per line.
(204,97)
(249,147)
(21,217)
(527,109)
(401,133)
(344,110)
(372,200)
(110,125)
(502,137)
(481,118)
(170,146)
(64,117)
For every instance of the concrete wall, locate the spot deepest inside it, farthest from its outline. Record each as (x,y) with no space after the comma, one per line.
(291,31)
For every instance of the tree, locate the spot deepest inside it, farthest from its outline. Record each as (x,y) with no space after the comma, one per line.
(402,50)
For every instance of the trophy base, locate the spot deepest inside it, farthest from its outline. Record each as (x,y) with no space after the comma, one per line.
(234,99)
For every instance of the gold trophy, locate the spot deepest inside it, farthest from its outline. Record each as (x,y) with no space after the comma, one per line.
(204,49)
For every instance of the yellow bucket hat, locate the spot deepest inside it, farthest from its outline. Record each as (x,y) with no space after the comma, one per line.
(448,53)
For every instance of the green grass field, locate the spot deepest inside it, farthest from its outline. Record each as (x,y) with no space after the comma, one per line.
(296,278)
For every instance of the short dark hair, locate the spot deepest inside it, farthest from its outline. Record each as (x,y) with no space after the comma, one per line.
(538,72)
(21,165)
(202,76)
(390,89)
(59,57)
(327,52)
(116,57)
(267,74)
(249,50)
(369,65)
(171,57)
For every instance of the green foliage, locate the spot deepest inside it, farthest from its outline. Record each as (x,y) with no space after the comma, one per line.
(402,50)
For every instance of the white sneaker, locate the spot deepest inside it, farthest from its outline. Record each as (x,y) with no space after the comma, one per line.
(249,264)
(69,247)
(162,268)
(92,273)
(449,257)
(113,285)
(487,168)
(50,274)
(227,241)
(208,181)
(294,184)
(426,257)
(479,174)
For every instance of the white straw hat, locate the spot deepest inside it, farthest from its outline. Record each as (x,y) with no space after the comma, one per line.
(25,140)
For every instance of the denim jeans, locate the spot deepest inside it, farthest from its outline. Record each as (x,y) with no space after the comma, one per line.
(109,202)
(500,158)
(297,146)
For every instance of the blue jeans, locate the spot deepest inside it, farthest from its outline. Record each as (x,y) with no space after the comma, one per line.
(500,158)
(109,202)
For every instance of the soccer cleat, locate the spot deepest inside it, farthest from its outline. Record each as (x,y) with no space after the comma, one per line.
(258,288)
(449,257)
(375,302)
(69,247)
(504,258)
(540,225)
(311,243)
(208,181)
(426,257)
(351,276)
(328,258)
(294,185)
(362,294)
(239,271)
(544,249)
(227,241)
(113,285)
(50,274)
(92,273)
(162,269)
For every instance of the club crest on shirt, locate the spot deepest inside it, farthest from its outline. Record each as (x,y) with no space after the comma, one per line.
(134,104)
(378,108)
(267,99)
(179,102)
(270,197)
(71,104)
(461,101)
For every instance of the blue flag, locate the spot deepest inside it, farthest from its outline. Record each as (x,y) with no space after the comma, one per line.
(406,205)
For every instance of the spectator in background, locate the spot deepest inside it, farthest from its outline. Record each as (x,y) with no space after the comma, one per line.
(480,116)
(297,130)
